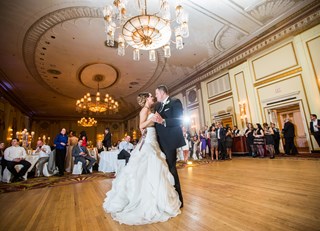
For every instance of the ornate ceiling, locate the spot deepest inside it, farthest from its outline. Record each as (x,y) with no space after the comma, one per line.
(51,51)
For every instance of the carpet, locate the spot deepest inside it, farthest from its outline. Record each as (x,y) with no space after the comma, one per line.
(54,181)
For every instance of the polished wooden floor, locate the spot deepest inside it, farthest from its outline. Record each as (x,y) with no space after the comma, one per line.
(242,194)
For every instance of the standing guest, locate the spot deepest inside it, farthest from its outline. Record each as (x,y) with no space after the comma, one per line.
(84,138)
(107,139)
(235,131)
(221,135)
(249,139)
(61,142)
(259,140)
(268,134)
(125,147)
(214,143)
(43,151)
(3,161)
(15,155)
(185,148)
(315,127)
(81,154)
(72,141)
(203,141)
(288,134)
(276,138)
(229,141)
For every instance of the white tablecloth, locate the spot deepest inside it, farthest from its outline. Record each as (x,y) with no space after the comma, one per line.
(33,159)
(108,161)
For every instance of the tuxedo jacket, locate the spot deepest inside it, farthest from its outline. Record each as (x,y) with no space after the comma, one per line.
(170,136)
(107,140)
(222,133)
(311,126)
(76,151)
(288,130)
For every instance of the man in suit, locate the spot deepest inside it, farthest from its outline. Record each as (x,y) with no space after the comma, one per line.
(221,136)
(81,154)
(107,139)
(315,127)
(168,121)
(288,134)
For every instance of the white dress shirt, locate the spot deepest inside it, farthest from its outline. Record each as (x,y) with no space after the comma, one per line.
(14,152)
(314,124)
(126,146)
(44,152)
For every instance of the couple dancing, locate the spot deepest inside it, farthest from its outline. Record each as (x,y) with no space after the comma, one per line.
(148,190)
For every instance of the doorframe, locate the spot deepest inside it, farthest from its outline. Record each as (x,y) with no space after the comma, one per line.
(298,102)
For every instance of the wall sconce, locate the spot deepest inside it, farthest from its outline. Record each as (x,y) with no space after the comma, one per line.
(243,112)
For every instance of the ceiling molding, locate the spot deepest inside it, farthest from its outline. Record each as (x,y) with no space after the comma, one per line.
(308,20)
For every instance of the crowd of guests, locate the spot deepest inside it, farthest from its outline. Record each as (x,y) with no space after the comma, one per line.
(214,142)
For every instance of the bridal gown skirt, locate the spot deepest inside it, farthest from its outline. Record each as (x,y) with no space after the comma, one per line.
(143,192)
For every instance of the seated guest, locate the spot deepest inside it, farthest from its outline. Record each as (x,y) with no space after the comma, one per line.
(81,154)
(125,147)
(100,147)
(3,161)
(43,151)
(15,155)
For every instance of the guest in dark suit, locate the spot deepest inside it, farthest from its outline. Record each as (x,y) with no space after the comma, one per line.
(221,135)
(288,134)
(315,127)
(276,137)
(107,139)
(81,154)
(168,121)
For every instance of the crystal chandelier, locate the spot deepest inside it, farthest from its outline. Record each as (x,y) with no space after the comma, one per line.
(99,105)
(145,31)
(84,122)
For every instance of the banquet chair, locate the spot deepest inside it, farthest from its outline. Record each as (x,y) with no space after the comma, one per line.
(77,168)
(7,175)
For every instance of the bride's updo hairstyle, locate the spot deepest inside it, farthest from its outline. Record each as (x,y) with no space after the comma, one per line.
(142,98)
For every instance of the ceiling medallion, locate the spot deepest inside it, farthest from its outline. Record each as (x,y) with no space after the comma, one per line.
(145,31)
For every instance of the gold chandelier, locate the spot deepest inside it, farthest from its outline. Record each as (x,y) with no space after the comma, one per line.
(84,122)
(145,31)
(99,105)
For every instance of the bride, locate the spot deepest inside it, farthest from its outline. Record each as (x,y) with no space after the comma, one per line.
(143,191)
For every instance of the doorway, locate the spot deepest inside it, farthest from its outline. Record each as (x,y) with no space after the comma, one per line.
(293,113)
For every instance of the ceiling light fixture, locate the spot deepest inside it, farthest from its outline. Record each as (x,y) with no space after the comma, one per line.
(84,122)
(88,106)
(145,31)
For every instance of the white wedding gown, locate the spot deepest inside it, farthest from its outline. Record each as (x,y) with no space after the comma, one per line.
(143,192)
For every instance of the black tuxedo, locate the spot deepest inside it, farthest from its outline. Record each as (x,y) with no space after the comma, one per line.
(221,135)
(77,157)
(107,140)
(288,134)
(170,136)
(315,134)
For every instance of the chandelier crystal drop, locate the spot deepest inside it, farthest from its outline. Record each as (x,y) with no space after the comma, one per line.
(87,122)
(143,30)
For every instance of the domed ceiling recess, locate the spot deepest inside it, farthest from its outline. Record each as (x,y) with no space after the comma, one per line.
(52,51)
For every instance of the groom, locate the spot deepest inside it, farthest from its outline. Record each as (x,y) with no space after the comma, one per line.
(168,119)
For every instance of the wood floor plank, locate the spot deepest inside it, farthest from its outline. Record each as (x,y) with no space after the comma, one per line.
(242,194)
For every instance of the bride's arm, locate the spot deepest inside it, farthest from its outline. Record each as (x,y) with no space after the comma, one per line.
(144,122)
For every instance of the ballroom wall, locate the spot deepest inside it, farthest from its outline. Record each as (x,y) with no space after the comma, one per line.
(278,77)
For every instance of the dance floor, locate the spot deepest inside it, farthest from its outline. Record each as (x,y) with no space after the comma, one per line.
(239,194)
